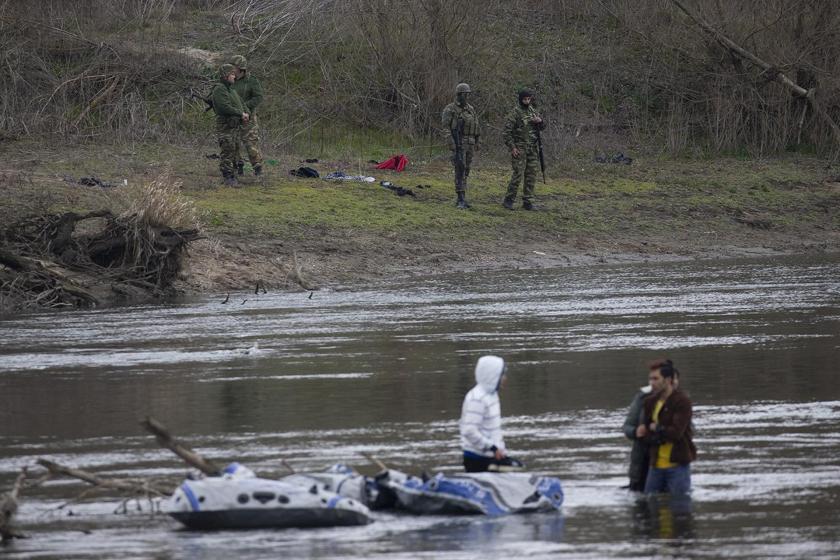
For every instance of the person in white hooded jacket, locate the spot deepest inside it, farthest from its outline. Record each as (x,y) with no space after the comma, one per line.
(481,419)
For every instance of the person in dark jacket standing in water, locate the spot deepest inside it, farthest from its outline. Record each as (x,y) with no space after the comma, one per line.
(230,115)
(250,92)
(639,455)
(639,458)
(667,428)
(520,137)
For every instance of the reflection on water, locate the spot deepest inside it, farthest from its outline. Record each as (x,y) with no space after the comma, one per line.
(384,370)
(663,517)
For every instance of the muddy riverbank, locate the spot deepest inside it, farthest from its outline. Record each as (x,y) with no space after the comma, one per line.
(289,233)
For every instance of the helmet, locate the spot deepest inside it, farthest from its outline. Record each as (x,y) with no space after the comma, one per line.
(225,69)
(525,92)
(463,88)
(239,61)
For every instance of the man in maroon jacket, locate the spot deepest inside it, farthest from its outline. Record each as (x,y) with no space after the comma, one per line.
(666,427)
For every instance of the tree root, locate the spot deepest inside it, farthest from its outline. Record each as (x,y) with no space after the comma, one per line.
(43,260)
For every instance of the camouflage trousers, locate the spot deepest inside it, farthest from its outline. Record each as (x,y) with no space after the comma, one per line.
(524,167)
(461,182)
(227,137)
(248,144)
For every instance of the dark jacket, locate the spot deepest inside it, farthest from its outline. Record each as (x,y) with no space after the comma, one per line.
(249,90)
(674,426)
(639,459)
(227,105)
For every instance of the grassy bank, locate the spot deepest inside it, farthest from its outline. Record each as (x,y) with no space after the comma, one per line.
(653,208)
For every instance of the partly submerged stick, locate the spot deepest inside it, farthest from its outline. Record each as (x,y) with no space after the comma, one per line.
(120,484)
(165,439)
(374,460)
(8,508)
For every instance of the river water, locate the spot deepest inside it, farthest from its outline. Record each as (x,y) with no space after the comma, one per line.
(310,381)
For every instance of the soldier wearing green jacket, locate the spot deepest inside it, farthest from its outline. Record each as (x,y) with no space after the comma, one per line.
(460,125)
(250,91)
(230,115)
(520,136)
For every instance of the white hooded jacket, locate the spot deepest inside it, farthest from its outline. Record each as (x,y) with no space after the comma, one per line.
(481,416)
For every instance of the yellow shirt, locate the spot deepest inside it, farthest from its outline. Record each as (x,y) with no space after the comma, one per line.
(663,456)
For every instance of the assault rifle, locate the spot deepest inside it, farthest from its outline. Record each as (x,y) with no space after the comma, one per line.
(460,166)
(540,150)
(208,100)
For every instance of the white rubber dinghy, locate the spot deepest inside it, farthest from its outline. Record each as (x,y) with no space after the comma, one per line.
(490,494)
(237,500)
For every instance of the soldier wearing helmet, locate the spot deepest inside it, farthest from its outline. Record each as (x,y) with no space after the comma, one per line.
(249,90)
(460,125)
(520,136)
(231,114)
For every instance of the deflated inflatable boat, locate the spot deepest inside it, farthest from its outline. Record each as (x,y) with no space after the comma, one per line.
(240,500)
(482,493)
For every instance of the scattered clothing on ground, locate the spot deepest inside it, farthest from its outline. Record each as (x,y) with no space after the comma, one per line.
(399,191)
(617,158)
(397,163)
(341,176)
(305,172)
(96,182)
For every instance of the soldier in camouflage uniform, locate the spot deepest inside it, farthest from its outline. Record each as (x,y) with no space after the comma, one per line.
(460,120)
(250,91)
(520,136)
(230,115)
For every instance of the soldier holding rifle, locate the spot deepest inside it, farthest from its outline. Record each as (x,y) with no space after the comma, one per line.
(522,137)
(460,124)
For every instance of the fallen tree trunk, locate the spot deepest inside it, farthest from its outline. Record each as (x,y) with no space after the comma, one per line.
(130,486)
(165,439)
(771,71)
(47,286)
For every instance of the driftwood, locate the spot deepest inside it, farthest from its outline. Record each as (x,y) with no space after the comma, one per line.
(8,508)
(136,488)
(165,439)
(382,466)
(43,282)
(40,257)
(770,71)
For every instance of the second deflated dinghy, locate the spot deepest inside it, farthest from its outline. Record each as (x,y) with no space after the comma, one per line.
(480,493)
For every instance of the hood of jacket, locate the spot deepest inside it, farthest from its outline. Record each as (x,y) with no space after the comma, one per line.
(488,372)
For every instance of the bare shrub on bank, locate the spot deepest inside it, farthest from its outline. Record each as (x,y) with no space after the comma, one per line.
(637,70)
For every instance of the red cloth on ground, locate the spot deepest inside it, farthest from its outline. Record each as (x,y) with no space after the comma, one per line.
(397,162)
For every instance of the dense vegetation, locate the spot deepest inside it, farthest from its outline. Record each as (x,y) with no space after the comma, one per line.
(345,73)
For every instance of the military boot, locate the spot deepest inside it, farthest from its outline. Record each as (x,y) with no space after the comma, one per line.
(508,203)
(240,168)
(527,205)
(462,202)
(258,170)
(230,181)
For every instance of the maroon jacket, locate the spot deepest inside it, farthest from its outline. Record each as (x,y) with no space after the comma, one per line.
(674,426)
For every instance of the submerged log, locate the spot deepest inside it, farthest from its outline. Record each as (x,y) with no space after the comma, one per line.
(8,508)
(129,486)
(165,439)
